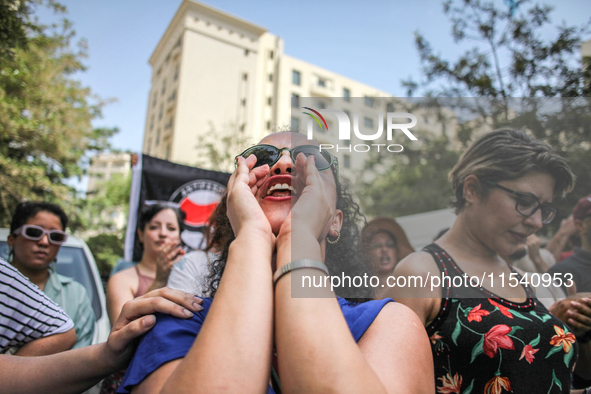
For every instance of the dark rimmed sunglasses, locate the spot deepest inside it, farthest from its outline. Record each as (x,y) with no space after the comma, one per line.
(35,233)
(269,154)
(527,205)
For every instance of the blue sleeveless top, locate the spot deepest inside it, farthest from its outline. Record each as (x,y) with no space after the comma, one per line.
(171,338)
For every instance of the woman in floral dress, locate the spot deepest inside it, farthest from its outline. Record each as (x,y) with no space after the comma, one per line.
(488,332)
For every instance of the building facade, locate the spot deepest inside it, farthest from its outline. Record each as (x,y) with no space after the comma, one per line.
(103,167)
(215,75)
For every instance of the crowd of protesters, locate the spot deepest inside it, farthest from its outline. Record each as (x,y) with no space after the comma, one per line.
(287,215)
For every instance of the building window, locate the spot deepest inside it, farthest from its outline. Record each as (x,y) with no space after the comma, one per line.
(169,124)
(295,100)
(347,161)
(389,107)
(322,82)
(172,96)
(160,111)
(268,125)
(296,77)
(157,136)
(244,76)
(163,87)
(295,123)
(176,72)
(269,100)
(425,119)
(368,122)
(243,127)
(369,101)
(270,77)
(346,94)
(271,54)
(152,123)
(246,52)
(168,151)
(243,102)
(321,105)
(155,99)
(347,142)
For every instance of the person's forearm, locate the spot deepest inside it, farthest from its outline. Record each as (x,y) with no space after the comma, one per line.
(539,264)
(48,345)
(68,372)
(316,351)
(557,244)
(233,349)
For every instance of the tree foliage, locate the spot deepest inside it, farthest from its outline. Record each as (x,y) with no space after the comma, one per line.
(510,58)
(511,75)
(45,113)
(410,182)
(218,149)
(107,249)
(98,215)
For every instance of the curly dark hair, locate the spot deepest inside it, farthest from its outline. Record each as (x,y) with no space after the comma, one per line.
(341,258)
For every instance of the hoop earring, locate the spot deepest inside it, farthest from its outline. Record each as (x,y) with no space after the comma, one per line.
(336,240)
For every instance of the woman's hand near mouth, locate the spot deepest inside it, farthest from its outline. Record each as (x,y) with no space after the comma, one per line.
(244,186)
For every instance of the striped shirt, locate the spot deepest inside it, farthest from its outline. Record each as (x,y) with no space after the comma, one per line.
(26,313)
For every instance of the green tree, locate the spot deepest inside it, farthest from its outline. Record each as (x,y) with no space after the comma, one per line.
(98,213)
(45,113)
(510,57)
(107,249)
(217,150)
(14,22)
(410,182)
(511,76)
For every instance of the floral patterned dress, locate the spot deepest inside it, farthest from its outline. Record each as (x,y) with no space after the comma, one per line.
(486,344)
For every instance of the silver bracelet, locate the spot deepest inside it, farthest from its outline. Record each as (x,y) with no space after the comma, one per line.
(299,264)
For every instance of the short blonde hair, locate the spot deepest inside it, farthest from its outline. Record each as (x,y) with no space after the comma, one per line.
(508,154)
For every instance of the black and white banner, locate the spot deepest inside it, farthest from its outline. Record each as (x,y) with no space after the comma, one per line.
(194,190)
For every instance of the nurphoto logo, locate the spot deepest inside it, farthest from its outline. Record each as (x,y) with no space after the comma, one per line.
(344,129)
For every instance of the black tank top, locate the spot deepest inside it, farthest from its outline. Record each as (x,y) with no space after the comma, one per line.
(486,344)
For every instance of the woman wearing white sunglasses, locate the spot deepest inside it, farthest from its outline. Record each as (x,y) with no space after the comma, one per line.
(37,231)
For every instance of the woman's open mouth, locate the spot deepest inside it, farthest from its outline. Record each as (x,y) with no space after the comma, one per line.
(280,188)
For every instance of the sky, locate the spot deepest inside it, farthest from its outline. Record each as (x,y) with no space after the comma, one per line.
(370,41)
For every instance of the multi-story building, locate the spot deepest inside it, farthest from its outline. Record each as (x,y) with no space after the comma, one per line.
(214,73)
(103,167)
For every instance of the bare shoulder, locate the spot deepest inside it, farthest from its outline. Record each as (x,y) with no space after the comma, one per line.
(398,316)
(126,276)
(416,287)
(122,286)
(417,263)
